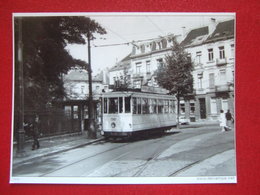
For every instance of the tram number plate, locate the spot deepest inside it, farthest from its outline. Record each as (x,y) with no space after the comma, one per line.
(113,119)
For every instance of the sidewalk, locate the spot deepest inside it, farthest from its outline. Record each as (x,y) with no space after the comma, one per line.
(53,145)
(198,124)
(58,144)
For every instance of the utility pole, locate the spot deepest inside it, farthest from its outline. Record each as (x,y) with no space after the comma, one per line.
(21,133)
(91,123)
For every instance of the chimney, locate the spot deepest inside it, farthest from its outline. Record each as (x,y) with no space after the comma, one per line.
(212,25)
(184,32)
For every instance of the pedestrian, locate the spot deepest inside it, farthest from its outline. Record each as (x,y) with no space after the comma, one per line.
(222,119)
(229,119)
(35,133)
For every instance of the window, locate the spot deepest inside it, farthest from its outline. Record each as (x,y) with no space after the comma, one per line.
(198,57)
(127,104)
(211,80)
(120,104)
(82,89)
(210,54)
(159,62)
(148,66)
(134,105)
(224,103)
(172,107)
(113,105)
(222,77)
(154,106)
(159,45)
(145,106)
(160,106)
(105,105)
(137,84)
(67,111)
(138,68)
(139,106)
(213,106)
(142,48)
(232,50)
(166,106)
(85,112)
(75,112)
(192,107)
(182,108)
(221,52)
(200,76)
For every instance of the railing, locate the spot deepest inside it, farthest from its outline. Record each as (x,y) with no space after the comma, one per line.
(140,75)
(221,88)
(221,62)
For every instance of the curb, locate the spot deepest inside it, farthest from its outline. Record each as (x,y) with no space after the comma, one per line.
(58,151)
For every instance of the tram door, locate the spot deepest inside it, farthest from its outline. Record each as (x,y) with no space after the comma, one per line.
(202,108)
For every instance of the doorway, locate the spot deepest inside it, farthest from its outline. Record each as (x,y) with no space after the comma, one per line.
(202,103)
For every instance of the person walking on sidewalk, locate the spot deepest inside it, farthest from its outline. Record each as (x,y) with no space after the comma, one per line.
(35,133)
(229,119)
(222,119)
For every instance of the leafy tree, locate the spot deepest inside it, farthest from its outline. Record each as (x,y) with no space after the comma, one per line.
(175,74)
(45,58)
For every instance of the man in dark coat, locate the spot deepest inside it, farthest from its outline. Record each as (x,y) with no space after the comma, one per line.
(229,119)
(35,133)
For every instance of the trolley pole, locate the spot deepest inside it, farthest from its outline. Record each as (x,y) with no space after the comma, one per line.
(21,133)
(91,123)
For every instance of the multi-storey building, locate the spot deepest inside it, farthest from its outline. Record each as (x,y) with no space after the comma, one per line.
(211,49)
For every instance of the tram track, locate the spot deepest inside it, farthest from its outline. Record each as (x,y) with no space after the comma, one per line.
(193,164)
(142,167)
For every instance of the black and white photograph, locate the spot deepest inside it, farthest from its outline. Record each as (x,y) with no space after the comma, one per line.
(123,98)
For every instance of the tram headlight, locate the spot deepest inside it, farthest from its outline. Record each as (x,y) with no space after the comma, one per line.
(113,125)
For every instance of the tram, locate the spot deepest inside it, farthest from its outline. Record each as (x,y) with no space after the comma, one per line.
(129,113)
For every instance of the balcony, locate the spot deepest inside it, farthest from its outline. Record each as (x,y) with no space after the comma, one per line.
(221,62)
(138,76)
(222,88)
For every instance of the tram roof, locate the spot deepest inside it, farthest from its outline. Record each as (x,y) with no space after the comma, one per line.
(136,93)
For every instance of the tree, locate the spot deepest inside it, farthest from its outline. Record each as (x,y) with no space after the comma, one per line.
(175,74)
(45,58)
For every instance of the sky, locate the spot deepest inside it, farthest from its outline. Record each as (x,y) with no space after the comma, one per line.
(128,27)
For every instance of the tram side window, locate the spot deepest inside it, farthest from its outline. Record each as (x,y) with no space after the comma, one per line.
(155,106)
(139,106)
(160,106)
(166,106)
(151,106)
(113,105)
(134,105)
(105,105)
(120,104)
(127,104)
(145,105)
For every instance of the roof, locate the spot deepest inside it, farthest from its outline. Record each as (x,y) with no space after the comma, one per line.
(223,30)
(194,34)
(78,75)
(124,63)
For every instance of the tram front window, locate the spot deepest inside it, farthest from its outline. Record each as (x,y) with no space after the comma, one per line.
(113,105)
(127,104)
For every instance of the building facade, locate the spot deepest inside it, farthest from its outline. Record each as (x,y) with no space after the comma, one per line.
(75,104)
(212,51)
